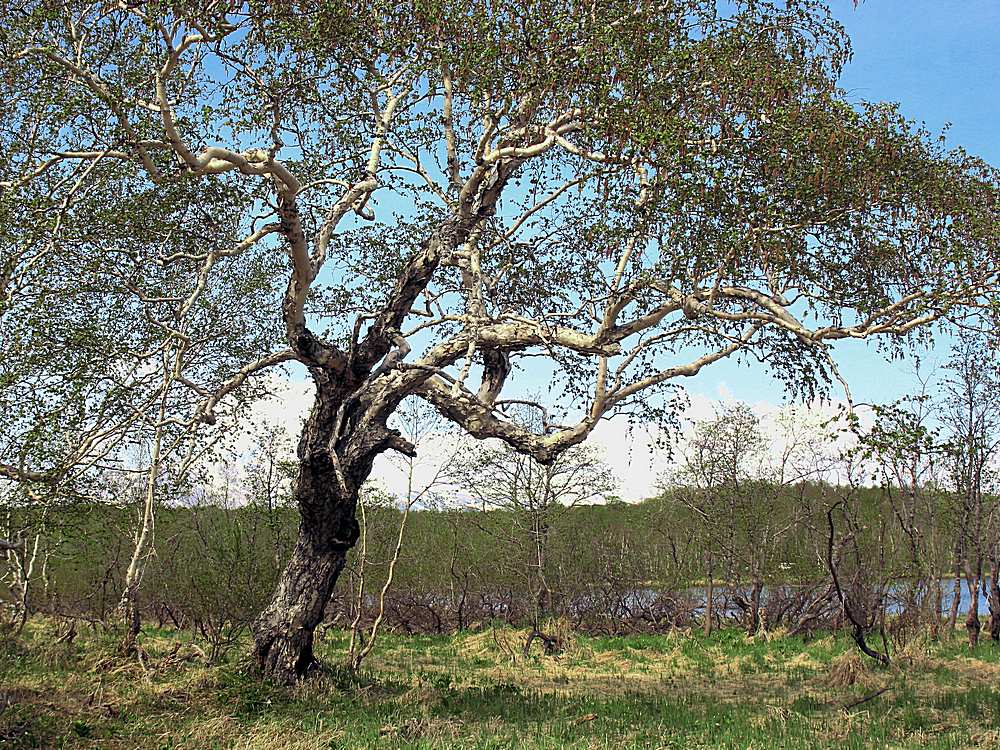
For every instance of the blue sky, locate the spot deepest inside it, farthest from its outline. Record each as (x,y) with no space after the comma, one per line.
(940,60)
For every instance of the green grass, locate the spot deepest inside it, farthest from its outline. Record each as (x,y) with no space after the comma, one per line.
(681,690)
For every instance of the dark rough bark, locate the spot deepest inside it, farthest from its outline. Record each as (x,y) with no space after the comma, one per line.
(283,633)
(338,446)
(994,599)
(956,598)
(753,622)
(972,623)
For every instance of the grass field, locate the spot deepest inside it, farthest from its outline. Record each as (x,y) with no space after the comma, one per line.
(477,691)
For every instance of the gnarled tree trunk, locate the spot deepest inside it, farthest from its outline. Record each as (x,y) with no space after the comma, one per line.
(327,498)
(336,451)
(283,633)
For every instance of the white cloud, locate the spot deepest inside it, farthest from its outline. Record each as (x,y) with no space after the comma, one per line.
(631,453)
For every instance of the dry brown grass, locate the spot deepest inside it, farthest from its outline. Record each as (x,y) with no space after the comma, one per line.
(917,656)
(804,661)
(850,669)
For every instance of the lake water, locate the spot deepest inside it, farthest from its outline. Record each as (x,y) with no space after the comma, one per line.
(896,597)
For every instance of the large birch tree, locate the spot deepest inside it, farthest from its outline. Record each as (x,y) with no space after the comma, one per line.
(628,191)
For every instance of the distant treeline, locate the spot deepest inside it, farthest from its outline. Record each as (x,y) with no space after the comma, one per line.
(611,568)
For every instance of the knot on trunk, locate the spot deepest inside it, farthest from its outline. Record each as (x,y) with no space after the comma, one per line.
(353,533)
